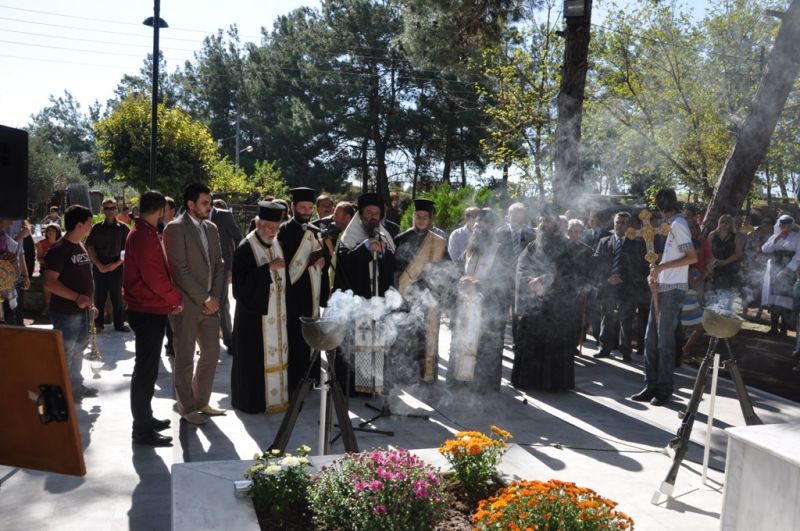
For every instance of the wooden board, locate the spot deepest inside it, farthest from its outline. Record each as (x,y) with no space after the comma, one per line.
(29,358)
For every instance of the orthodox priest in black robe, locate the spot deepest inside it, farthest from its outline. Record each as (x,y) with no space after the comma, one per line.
(423,282)
(549,281)
(305,260)
(481,310)
(259,379)
(365,264)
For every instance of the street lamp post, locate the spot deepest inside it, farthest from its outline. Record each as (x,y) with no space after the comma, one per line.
(157,23)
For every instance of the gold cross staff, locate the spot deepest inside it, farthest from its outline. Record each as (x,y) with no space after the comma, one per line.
(648,234)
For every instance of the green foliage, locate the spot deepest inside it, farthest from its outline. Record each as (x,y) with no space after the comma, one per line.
(47,171)
(185,150)
(265,181)
(517,98)
(450,205)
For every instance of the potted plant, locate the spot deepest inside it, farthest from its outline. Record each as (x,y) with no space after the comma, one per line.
(379,490)
(279,485)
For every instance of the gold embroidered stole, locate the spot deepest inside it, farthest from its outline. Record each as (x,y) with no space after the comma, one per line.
(467,330)
(299,264)
(431,251)
(273,327)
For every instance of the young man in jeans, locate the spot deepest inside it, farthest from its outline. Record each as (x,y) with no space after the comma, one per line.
(68,276)
(149,296)
(671,278)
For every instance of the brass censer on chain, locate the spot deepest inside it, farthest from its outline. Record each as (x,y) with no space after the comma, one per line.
(95,360)
(648,234)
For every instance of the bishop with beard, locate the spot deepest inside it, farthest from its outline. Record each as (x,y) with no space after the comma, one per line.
(421,282)
(305,260)
(259,379)
(476,348)
(365,264)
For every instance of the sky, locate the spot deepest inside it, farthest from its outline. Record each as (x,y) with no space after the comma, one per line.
(87,46)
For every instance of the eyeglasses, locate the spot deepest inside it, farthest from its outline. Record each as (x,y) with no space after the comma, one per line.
(110,208)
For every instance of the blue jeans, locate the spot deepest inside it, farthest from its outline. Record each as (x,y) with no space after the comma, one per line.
(75,335)
(659,353)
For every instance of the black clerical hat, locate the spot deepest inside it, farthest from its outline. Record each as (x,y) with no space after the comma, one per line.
(303,194)
(270,211)
(424,204)
(370,199)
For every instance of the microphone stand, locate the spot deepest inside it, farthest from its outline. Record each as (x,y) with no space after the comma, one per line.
(384,410)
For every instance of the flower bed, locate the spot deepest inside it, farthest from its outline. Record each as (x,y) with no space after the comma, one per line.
(387,490)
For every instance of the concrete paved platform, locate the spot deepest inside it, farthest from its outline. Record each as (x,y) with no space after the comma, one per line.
(593,436)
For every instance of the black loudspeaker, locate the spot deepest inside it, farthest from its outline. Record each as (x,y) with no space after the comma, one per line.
(13,173)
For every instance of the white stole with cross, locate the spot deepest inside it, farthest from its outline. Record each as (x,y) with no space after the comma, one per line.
(299,264)
(273,328)
(467,330)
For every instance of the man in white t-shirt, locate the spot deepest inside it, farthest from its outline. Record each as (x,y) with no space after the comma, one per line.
(671,276)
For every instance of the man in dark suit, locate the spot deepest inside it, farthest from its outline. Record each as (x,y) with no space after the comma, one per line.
(515,235)
(616,259)
(229,237)
(195,262)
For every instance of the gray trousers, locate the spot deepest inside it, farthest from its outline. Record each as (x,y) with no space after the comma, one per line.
(193,384)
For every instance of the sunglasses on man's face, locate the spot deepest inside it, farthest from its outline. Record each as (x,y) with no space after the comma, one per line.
(110,208)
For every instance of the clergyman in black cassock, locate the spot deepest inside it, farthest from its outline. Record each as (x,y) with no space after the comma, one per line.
(305,259)
(259,378)
(423,283)
(476,348)
(365,264)
(549,279)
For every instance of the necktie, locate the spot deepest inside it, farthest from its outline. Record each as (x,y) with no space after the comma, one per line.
(616,261)
(515,237)
(204,238)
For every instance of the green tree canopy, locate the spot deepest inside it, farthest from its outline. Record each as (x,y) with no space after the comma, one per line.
(185,150)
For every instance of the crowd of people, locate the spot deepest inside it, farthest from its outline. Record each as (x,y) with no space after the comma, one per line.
(554,281)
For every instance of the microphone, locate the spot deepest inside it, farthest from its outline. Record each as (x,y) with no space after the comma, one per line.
(312,228)
(372,230)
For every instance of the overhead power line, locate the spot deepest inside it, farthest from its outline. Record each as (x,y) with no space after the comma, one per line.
(142,45)
(105,20)
(83,50)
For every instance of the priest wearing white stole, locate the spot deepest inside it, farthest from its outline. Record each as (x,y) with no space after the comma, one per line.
(365,265)
(259,378)
(305,260)
(476,347)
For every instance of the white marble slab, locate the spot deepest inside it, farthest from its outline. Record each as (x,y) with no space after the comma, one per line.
(203,498)
(762,478)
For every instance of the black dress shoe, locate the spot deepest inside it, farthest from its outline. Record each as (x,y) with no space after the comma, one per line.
(152,438)
(645,395)
(603,354)
(123,328)
(160,425)
(659,400)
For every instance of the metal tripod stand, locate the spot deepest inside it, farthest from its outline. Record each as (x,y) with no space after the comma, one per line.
(680,443)
(339,405)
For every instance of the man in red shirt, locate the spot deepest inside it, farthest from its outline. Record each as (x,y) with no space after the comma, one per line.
(150,296)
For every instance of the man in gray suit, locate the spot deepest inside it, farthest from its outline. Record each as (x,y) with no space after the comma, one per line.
(195,261)
(229,237)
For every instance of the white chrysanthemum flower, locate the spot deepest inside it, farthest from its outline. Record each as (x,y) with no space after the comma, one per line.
(290,461)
